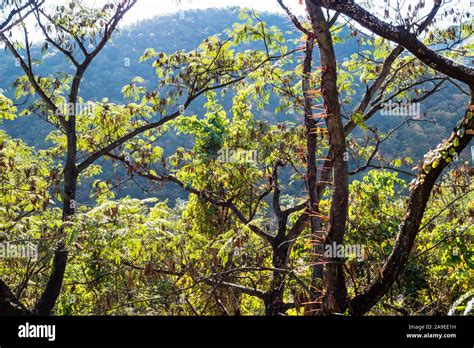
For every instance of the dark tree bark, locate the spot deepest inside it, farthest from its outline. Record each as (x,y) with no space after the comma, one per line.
(317,234)
(335,298)
(311,123)
(273,300)
(51,293)
(9,303)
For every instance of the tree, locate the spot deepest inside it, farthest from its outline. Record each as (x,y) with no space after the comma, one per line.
(284,237)
(245,200)
(63,28)
(86,134)
(428,173)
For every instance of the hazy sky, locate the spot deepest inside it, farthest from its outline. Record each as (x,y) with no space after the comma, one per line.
(150,8)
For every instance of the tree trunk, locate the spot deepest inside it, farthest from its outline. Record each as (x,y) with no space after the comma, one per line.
(9,304)
(273,300)
(335,298)
(312,172)
(51,293)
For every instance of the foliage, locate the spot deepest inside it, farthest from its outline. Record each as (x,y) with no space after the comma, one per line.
(212,251)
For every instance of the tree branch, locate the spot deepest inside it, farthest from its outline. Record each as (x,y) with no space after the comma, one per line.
(401,36)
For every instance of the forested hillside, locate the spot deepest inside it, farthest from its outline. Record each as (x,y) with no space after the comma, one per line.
(229,162)
(119,63)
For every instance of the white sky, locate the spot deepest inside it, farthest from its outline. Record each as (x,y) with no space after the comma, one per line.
(149,8)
